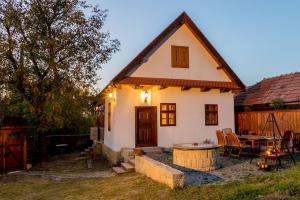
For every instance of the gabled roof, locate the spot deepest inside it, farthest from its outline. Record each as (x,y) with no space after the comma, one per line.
(285,86)
(175,25)
(179,83)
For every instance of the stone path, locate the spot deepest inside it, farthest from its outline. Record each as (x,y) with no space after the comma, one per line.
(61,176)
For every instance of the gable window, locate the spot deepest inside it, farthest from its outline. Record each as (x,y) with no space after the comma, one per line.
(109,117)
(180,56)
(211,114)
(168,114)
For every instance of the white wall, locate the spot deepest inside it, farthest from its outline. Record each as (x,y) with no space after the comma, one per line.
(202,65)
(190,114)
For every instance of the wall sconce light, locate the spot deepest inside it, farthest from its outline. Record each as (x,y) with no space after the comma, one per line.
(146,95)
(112,95)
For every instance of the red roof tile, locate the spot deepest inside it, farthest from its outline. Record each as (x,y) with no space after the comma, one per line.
(178,83)
(286,87)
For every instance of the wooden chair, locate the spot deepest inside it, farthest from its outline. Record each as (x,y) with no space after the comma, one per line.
(296,141)
(222,141)
(227,130)
(287,142)
(234,144)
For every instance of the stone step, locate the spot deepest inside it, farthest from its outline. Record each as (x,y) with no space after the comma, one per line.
(118,170)
(128,167)
(132,161)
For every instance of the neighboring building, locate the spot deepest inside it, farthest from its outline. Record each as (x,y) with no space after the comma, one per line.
(177,90)
(254,105)
(259,96)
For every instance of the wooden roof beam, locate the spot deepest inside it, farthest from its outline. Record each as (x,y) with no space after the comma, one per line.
(185,88)
(161,87)
(205,89)
(138,87)
(224,90)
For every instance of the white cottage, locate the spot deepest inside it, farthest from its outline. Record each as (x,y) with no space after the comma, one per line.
(177,90)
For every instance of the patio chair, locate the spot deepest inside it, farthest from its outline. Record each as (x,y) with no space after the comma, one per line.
(227,130)
(234,144)
(287,142)
(296,141)
(222,141)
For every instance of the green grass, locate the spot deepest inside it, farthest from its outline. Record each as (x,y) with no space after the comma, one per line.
(281,185)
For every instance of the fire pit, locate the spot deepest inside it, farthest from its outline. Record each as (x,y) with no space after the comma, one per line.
(200,157)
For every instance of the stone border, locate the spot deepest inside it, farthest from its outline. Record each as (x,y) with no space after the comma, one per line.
(112,156)
(159,172)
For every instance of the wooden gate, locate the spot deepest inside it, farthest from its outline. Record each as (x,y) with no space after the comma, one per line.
(13,144)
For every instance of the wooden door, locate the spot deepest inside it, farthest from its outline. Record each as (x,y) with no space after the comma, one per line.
(12,152)
(146,126)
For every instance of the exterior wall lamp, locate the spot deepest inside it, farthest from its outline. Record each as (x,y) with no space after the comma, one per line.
(146,96)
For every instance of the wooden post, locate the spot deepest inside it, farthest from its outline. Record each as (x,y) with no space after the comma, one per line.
(24,151)
(3,154)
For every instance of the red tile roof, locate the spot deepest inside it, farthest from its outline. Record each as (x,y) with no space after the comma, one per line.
(179,83)
(286,87)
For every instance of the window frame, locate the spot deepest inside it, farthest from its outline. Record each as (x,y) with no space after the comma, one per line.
(176,48)
(109,116)
(168,112)
(215,111)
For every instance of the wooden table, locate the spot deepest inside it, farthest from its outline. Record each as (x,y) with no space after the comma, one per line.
(255,138)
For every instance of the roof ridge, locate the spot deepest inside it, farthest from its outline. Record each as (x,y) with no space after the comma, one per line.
(278,76)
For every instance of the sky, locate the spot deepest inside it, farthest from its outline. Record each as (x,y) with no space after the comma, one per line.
(257,38)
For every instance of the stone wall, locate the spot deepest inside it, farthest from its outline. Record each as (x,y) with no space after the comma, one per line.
(159,171)
(201,160)
(112,156)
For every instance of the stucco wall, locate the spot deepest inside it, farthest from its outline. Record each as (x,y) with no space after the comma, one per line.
(190,114)
(190,104)
(201,64)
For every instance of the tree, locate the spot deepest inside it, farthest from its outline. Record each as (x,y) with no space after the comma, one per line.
(46,46)
(277,103)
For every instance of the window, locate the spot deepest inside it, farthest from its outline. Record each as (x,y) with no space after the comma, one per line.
(109,117)
(180,56)
(211,114)
(168,114)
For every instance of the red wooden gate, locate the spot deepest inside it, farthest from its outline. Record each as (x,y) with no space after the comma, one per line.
(13,144)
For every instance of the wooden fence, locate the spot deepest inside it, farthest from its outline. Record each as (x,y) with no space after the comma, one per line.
(256,120)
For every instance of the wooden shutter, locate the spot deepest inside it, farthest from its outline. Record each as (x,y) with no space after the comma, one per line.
(180,56)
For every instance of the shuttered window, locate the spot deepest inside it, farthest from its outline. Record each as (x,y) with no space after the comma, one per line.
(180,56)
(168,114)
(211,114)
(109,117)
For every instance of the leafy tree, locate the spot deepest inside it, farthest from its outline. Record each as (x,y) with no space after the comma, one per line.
(277,103)
(48,47)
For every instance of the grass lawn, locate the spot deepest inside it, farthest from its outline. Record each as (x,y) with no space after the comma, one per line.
(281,185)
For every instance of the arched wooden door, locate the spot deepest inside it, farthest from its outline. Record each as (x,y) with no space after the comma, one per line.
(146,126)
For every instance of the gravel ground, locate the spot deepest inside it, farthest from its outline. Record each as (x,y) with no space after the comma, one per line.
(231,169)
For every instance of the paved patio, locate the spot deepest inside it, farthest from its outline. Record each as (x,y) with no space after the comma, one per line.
(231,169)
